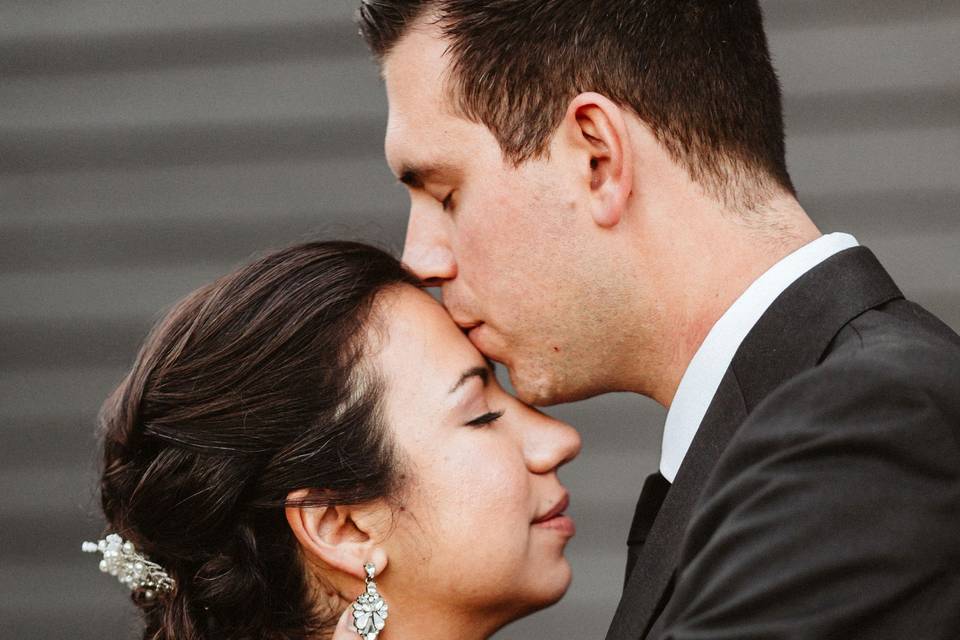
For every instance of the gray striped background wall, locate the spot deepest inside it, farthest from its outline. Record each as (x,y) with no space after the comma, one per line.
(148,146)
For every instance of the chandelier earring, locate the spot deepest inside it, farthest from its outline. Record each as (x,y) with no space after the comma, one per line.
(370,609)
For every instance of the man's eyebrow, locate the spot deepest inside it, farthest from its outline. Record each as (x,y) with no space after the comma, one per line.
(476,372)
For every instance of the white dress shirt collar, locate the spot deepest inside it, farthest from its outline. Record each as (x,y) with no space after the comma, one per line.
(708,366)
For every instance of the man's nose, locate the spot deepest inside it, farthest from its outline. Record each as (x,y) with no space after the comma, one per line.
(427,252)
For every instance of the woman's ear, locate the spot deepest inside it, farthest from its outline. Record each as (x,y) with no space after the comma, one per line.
(333,536)
(601,140)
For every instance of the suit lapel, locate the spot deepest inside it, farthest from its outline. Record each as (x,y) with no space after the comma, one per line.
(643,595)
(790,337)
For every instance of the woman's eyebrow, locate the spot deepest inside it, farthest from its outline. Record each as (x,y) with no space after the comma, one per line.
(479,372)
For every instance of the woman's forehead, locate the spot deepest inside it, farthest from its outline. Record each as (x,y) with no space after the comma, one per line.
(420,338)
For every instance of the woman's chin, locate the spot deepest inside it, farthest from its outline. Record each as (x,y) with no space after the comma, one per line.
(553,585)
(549,588)
(561,586)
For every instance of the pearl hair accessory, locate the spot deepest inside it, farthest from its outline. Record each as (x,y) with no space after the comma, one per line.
(121,559)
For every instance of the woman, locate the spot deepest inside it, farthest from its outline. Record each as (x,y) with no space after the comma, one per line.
(308,415)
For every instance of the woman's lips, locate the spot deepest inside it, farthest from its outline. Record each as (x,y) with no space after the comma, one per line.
(561,524)
(556,520)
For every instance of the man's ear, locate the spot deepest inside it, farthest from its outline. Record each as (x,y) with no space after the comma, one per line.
(333,536)
(601,142)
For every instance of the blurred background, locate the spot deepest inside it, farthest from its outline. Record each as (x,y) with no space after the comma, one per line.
(146,147)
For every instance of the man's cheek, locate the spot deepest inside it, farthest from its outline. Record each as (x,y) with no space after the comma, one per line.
(480,247)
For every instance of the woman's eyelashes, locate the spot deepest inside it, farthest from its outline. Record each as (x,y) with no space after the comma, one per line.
(485,419)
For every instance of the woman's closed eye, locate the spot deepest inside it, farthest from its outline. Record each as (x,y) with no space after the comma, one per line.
(485,419)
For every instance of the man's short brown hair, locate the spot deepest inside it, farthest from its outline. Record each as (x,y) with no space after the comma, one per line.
(697,72)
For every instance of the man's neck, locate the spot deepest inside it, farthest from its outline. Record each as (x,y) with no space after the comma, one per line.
(736,255)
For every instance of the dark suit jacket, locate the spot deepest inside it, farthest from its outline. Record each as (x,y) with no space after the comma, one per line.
(820,497)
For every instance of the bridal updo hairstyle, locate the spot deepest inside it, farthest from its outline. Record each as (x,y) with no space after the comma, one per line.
(251,387)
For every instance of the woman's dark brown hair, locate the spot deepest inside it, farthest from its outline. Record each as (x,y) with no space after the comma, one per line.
(251,387)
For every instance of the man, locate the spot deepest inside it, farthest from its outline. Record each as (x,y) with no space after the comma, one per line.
(600,190)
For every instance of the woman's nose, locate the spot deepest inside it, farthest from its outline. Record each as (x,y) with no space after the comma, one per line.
(549,444)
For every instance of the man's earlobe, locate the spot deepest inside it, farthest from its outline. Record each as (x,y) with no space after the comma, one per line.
(332,535)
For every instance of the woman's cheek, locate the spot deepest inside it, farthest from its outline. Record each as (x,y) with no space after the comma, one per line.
(504,486)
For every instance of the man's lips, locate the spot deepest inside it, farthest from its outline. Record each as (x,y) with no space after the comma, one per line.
(473,329)
(475,336)
(467,325)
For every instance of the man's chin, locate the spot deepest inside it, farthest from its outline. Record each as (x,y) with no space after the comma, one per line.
(531,381)
(541,389)
(538,390)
